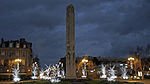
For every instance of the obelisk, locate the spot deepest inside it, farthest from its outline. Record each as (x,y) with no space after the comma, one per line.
(70,43)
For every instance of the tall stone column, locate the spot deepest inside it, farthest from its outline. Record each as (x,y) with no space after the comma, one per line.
(70,43)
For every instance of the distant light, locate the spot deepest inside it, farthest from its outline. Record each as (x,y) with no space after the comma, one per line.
(59,62)
(121,64)
(147,74)
(18,60)
(35,62)
(139,73)
(84,60)
(130,58)
(91,70)
(7,70)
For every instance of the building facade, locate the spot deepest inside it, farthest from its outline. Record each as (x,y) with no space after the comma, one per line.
(16,53)
(93,65)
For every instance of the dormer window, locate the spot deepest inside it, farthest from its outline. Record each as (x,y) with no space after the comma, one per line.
(24,46)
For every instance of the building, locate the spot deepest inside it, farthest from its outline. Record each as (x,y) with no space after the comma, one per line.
(94,65)
(15,53)
(141,62)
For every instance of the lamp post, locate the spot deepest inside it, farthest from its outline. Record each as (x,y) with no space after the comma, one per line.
(17,61)
(84,68)
(131,59)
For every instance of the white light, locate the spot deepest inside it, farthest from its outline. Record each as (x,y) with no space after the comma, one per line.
(15,75)
(112,76)
(91,70)
(34,71)
(121,64)
(103,71)
(124,73)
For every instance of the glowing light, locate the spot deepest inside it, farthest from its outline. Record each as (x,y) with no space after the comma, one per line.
(84,68)
(139,73)
(84,60)
(34,71)
(18,60)
(111,76)
(124,73)
(130,58)
(15,75)
(103,71)
(131,63)
(7,70)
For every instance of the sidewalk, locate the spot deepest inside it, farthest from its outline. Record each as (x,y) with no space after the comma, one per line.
(8,82)
(139,81)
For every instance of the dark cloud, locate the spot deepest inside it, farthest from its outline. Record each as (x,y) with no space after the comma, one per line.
(103,27)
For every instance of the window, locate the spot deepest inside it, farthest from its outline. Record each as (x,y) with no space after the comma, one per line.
(9,54)
(24,46)
(2,62)
(23,54)
(17,53)
(17,45)
(10,45)
(2,53)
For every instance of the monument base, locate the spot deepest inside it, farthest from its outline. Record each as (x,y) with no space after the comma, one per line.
(76,80)
(71,77)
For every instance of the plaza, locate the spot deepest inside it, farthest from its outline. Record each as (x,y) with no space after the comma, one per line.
(20,64)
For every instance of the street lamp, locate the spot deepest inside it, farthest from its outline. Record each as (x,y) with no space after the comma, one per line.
(84,69)
(17,61)
(131,59)
(84,60)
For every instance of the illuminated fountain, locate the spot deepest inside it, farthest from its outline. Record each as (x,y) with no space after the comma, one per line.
(47,71)
(124,73)
(15,75)
(42,74)
(34,71)
(58,71)
(62,73)
(103,71)
(54,79)
(52,73)
(111,76)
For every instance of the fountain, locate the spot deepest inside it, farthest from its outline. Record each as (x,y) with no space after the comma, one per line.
(111,76)
(103,71)
(48,70)
(42,74)
(58,72)
(52,73)
(124,73)
(34,71)
(54,78)
(62,73)
(15,75)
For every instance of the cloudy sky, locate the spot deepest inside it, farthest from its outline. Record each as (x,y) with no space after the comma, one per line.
(108,28)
